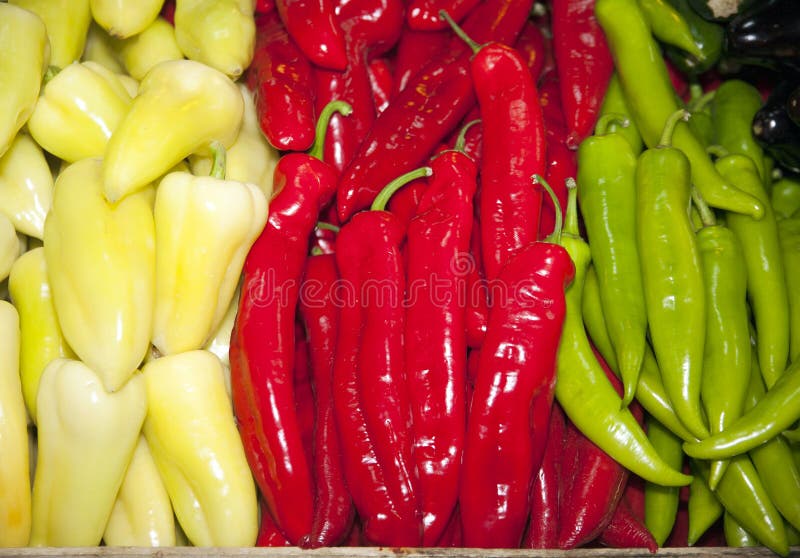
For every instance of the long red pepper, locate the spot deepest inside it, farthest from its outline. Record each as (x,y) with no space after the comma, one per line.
(304,392)
(437,242)
(281,79)
(414,50)
(319,309)
(626,530)
(423,15)
(426,110)
(313,26)
(262,346)
(268,532)
(381,78)
(533,46)
(584,64)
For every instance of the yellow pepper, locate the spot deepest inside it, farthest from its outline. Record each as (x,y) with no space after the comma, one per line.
(9,246)
(26,55)
(100,47)
(15,484)
(220,33)
(251,158)
(181,108)
(78,111)
(101,267)
(142,514)
(154,44)
(26,186)
(86,437)
(198,451)
(125,18)
(204,229)
(67,22)
(220,342)
(41,337)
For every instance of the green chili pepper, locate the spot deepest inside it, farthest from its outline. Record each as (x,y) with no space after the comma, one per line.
(785,197)
(734,105)
(737,536)
(708,37)
(582,388)
(766,282)
(651,99)
(607,194)
(703,506)
(614,103)
(700,122)
(789,237)
(669,26)
(792,535)
(661,502)
(595,321)
(672,275)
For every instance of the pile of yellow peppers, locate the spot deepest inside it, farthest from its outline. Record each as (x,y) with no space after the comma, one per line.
(133,180)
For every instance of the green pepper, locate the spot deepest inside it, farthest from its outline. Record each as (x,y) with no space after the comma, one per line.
(615,103)
(708,37)
(766,283)
(700,122)
(789,237)
(661,502)
(703,507)
(737,536)
(785,197)
(607,193)
(669,26)
(672,275)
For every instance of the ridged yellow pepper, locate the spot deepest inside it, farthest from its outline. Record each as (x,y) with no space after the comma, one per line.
(181,108)
(26,55)
(9,246)
(220,33)
(191,431)
(67,22)
(204,229)
(251,158)
(15,484)
(125,18)
(142,514)
(154,44)
(101,267)
(78,111)
(26,186)
(41,338)
(100,47)
(86,437)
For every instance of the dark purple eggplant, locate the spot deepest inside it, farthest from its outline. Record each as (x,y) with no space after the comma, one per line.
(768,34)
(775,129)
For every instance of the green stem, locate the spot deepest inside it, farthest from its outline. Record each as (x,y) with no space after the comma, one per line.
(555,236)
(607,120)
(342,107)
(571,215)
(379,204)
(460,32)
(696,105)
(52,71)
(461,140)
(717,151)
(669,126)
(706,213)
(325,226)
(220,158)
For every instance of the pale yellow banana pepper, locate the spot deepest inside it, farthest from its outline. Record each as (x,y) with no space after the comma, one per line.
(15,484)
(154,44)
(142,514)
(220,33)
(251,158)
(25,58)
(9,246)
(101,267)
(204,229)
(220,343)
(26,186)
(67,22)
(191,431)
(78,111)
(101,48)
(125,18)
(41,337)
(86,437)
(182,107)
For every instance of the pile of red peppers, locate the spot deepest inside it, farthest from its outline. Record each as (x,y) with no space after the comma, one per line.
(394,357)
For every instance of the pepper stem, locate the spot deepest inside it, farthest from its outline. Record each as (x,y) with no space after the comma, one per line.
(50,73)
(342,107)
(702,101)
(379,204)
(717,151)
(605,122)
(555,236)
(460,32)
(220,159)
(461,140)
(325,226)
(669,126)
(707,216)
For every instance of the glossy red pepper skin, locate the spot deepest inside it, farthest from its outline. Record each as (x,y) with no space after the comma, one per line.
(477,295)
(584,64)
(371,402)
(313,26)
(403,203)
(333,507)
(437,249)
(626,530)
(414,49)
(374,24)
(423,15)
(304,393)
(533,46)
(268,533)
(382,81)
(426,110)
(513,151)
(263,343)
(264,6)
(517,362)
(282,81)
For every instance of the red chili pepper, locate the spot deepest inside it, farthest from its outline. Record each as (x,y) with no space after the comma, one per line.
(382,81)
(264,6)
(303,390)
(426,110)
(268,532)
(584,64)
(403,204)
(634,495)
(543,524)
(473,358)
(281,79)
(313,26)
(477,294)
(168,11)
(452,537)
(333,507)
(533,46)
(626,530)
(423,15)
(374,24)
(414,50)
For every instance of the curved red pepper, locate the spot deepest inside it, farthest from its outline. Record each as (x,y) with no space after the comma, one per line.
(333,506)
(626,530)
(382,81)
(313,26)
(423,15)
(414,50)
(262,343)
(370,398)
(533,46)
(304,392)
(584,64)
(403,203)
(477,295)
(282,81)
(268,532)
(264,6)
(517,361)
